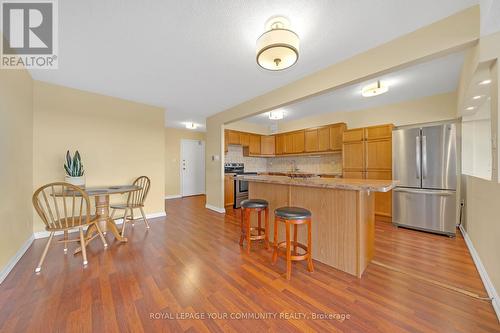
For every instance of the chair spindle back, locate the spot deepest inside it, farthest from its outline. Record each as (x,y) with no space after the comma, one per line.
(138,197)
(61,205)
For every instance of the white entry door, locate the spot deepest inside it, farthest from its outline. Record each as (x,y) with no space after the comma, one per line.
(192,167)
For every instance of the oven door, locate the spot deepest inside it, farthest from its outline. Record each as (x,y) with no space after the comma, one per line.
(240,192)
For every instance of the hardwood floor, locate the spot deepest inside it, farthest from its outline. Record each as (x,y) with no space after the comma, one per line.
(190,262)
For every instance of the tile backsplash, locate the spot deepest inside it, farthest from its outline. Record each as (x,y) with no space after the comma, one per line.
(252,164)
(315,164)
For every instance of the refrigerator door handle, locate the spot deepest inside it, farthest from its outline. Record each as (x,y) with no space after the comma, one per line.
(424,156)
(419,191)
(417,159)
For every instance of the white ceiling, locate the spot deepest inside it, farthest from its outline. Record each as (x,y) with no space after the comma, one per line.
(197,57)
(430,78)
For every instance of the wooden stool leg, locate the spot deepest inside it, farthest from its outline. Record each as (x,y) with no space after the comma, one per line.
(275,240)
(310,267)
(242,220)
(260,223)
(294,239)
(266,239)
(288,252)
(248,234)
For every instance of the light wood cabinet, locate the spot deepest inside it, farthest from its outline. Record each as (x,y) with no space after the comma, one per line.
(379,154)
(336,134)
(233,137)
(353,135)
(353,156)
(324,139)
(254,144)
(279,144)
(267,145)
(367,153)
(311,140)
(353,175)
(244,139)
(298,142)
(228,190)
(288,143)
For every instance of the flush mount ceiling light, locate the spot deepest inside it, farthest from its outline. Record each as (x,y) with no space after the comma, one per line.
(374,89)
(278,47)
(470,108)
(477,97)
(191,126)
(276,115)
(485,82)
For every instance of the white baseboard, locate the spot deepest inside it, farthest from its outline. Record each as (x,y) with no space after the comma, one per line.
(13,261)
(173,196)
(488,285)
(216,209)
(45,234)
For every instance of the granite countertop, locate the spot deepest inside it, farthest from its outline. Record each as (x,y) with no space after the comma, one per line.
(285,173)
(335,183)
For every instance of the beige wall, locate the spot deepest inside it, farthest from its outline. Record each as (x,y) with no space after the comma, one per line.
(16,161)
(482,196)
(458,31)
(119,140)
(173,137)
(432,108)
(482,223)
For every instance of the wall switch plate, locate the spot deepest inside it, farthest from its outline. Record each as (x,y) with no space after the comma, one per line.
(215,158)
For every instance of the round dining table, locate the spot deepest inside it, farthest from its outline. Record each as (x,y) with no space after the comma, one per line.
(106,223)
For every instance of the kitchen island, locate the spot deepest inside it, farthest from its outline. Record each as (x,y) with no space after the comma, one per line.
(342,214)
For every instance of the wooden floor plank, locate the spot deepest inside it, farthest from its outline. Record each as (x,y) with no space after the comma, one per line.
(190,262)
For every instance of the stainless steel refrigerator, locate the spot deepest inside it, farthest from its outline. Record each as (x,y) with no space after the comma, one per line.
(425,164)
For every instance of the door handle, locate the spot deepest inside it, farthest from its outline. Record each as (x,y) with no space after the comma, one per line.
(418,191)
(424,157)
(417,159)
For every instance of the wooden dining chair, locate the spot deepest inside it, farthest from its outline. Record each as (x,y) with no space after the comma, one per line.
(64,207)
(135,200)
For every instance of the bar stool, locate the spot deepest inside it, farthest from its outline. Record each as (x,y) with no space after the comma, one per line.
(293,216)
(257,205)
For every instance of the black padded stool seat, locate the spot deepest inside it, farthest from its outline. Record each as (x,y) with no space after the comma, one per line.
(292,213)
(254,203)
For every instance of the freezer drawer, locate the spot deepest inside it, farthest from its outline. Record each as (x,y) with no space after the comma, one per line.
(428,210)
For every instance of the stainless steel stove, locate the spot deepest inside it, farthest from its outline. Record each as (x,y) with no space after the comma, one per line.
(240,186)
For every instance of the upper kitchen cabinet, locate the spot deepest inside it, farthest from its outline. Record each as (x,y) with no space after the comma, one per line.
(311,140)
(267,145)
(233,137)
(279,147)
(244,139)
(288,143)
(254,144)
(335,136)
(298,142)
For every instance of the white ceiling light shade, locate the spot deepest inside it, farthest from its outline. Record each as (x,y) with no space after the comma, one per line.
(484,82)
(278,47)
(470,108)
(276,115)
(191,126)
(374,89)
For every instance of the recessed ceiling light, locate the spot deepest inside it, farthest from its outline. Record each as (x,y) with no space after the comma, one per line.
(276,115)
(374,89)
(477,97)
(191,126)
(278,47)
(485,82)
(470,108)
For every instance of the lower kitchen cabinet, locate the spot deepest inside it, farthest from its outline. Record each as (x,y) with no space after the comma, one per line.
(228,190)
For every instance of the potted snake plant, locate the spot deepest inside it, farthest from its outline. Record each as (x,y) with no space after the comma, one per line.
(74,169)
